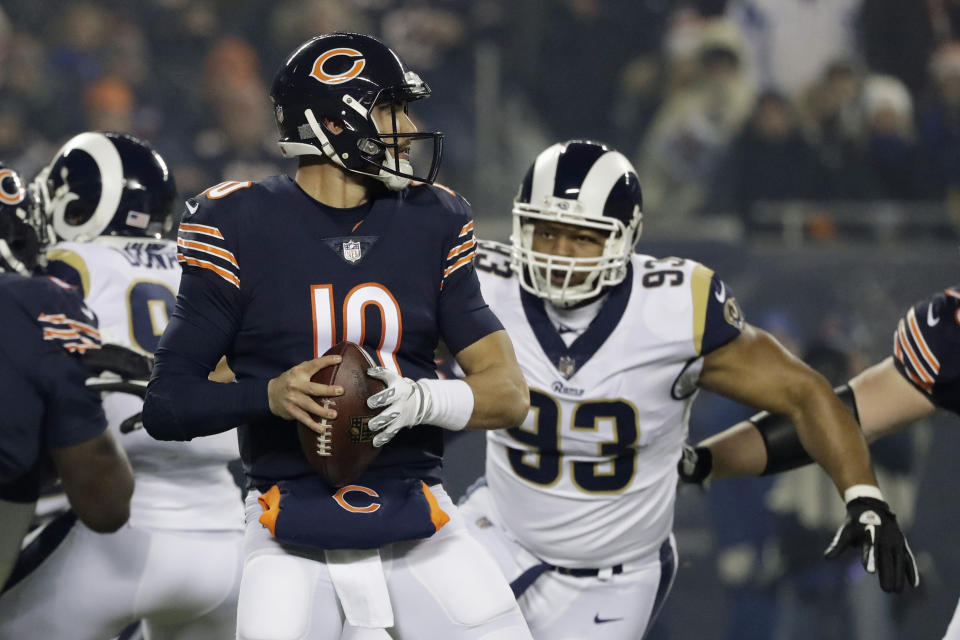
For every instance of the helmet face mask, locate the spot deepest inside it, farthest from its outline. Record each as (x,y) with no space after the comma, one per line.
(23,233)
(344,78)
(581,184)
(106,184)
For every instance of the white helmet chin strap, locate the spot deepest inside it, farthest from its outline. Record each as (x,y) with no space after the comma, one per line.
(392,181)
(11,259)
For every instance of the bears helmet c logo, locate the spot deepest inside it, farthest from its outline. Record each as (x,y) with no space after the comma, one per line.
(10,179)
(326,78)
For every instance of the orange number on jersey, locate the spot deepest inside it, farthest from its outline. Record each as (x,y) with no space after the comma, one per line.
(354,324)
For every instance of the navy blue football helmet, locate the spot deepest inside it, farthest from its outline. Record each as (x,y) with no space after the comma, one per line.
(106,183)
(342,77)
(585,184)
(22,232)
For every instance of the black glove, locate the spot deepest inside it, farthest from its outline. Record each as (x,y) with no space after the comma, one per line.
(695,465)
(115,358)
(872,525)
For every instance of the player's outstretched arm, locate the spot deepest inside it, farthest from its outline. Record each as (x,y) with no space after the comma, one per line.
(884,401)
(756,370)
(98,481)
(492,395)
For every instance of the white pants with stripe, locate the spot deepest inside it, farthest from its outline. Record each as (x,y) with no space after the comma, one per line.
(445,587)
(563,607)
(183,585)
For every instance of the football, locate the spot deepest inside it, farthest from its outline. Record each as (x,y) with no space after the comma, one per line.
(345,450)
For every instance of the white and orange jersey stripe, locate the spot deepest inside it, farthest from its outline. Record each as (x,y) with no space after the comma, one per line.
(462,253)
(203,247)
(73,335)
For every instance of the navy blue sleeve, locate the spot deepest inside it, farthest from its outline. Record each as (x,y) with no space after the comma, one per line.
(181,403)
(926,346)
(723,320)
(46,403)
(464,315)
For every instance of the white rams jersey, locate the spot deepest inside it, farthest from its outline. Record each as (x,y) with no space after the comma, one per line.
(589,479)
(131,284)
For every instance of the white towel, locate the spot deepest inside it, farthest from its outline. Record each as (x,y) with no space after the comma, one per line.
(357,575)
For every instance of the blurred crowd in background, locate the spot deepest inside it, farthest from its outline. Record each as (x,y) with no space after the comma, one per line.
(821,123)
(848,107)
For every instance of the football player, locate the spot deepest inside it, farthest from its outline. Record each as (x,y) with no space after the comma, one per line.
(358,246)
(921,376)
(108,198)
(577,504)
(52,423)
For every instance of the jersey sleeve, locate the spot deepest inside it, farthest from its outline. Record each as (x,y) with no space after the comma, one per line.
(464,315)
(69,266)
(208,239)
(717,318)
(926,346)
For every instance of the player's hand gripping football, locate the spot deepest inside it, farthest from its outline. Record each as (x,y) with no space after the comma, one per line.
(405,403)
(292,395)
(873,527)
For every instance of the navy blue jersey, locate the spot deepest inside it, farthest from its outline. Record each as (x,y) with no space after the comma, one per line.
(273,278)
(926,348)
(45,403)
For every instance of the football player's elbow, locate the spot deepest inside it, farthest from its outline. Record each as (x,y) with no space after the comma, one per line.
(112,509)
(108,520)
(517,404)
(157,418)
(807,390)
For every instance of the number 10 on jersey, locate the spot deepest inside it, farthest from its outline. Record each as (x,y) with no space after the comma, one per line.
(353,319)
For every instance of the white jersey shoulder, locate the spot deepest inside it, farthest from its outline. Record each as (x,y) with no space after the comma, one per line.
(131,284)
(589,478)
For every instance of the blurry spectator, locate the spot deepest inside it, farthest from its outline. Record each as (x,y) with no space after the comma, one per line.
(939,127)
(573,56)
(897,39)
(243,145)
(891,153)
(108,104)
(790,43)
(770,160)
(692,131)
(834,119)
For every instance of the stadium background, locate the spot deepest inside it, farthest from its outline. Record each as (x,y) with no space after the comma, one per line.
(808,150)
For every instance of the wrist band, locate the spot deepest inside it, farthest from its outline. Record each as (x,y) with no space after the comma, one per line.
(862,491)
(450,405)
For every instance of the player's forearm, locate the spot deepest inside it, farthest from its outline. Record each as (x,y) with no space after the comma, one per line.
(828,431)
(501,398)
(737,451)
(183,407)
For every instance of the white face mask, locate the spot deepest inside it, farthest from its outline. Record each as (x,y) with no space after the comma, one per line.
(535,267)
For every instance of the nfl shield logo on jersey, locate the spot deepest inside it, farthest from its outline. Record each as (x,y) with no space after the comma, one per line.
(351,251)
(567,366)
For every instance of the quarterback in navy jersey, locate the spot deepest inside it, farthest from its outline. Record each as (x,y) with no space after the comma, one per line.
(356,247)
(921,376)
(52,424)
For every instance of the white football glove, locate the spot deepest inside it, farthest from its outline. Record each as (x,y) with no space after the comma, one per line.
(405,403)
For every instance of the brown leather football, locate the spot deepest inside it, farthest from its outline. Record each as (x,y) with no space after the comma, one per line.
(346,449)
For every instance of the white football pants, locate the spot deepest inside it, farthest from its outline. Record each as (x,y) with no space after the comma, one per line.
(445,587)
(183,585)
(563,607)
